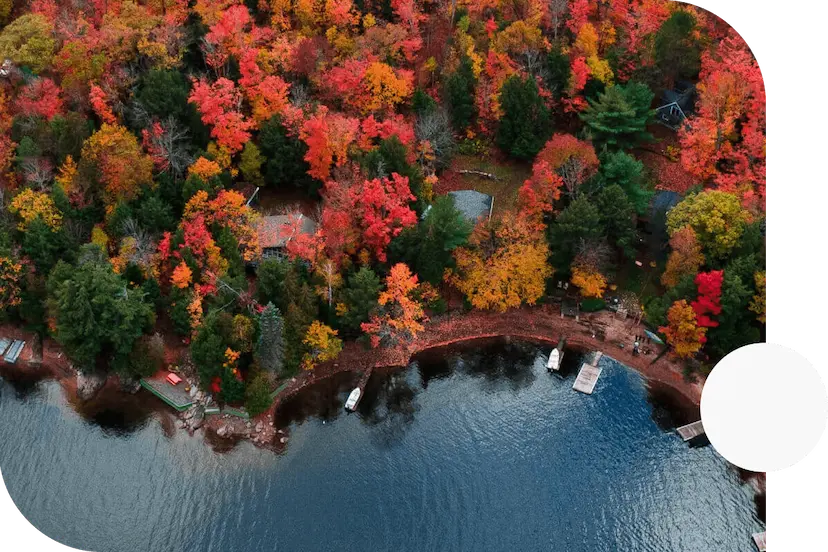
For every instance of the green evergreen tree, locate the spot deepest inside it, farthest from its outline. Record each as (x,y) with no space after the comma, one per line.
(459,94)
(285,163)
(558,71)
(257,396)
(270,349)
(97,316)
(624,170)
(578,222)
(525,125)
(617,218)
(360,297)
(427,248)
(270,282)
(677,52)
(619,118)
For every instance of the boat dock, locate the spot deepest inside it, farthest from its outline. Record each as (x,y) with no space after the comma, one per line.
(691,431)
(359,391)
(587,378)
(759,541)
(174,395)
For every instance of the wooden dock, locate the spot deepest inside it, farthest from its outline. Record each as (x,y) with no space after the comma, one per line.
(555,360)
(173,395)
(587,378)
(598,355)
(759,541)
(691,431)
(363,381)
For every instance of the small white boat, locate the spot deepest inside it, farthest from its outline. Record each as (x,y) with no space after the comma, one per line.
(554,360)
(353,399)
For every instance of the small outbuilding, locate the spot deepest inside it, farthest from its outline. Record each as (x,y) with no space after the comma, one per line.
(473,204)
(676,105)
(276,231)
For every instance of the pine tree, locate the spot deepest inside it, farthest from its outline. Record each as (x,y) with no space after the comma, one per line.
(524,126)
(270,350)
(460,95)
(618,120)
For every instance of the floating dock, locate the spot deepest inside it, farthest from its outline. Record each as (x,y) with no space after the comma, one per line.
(597,359)
(759,541)
(587,378)
(173,395)
(691,431)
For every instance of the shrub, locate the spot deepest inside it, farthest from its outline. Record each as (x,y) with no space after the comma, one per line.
(593,304)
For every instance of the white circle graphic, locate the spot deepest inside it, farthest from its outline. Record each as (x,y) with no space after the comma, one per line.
(764,407)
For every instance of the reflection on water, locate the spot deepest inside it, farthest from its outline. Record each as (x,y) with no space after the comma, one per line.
(470,448)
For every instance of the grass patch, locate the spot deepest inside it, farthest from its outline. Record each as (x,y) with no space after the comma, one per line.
(510,177)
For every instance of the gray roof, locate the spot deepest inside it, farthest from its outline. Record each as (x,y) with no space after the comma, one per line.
(472,204)
(276,230)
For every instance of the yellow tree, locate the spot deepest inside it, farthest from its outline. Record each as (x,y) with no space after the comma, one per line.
(29,205)
(504,265)
(322,343)
(717,218)
(683,333)
(589,281)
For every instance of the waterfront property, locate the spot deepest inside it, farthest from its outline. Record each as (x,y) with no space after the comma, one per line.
(691,431)
(587,378)
(276,231)
(174,395)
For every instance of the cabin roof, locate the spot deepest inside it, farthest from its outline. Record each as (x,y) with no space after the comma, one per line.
(277,230)
(472,204)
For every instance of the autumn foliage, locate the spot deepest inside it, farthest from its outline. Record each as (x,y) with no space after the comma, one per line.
(504,265)
(683,332)
(400,315)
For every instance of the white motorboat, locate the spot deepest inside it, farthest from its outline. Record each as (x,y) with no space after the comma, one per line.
(554,361)
(353,399)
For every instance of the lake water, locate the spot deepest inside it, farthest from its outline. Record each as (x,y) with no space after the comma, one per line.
(474,448)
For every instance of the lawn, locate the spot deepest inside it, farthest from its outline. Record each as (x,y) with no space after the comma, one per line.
(510,177)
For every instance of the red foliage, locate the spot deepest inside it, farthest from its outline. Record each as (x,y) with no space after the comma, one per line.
(41,97)
(579,13)
(218,104)
(708,302)
(382,211)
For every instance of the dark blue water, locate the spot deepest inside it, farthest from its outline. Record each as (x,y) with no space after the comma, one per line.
(477,449)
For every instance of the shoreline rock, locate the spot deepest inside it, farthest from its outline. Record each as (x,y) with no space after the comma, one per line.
(89,385)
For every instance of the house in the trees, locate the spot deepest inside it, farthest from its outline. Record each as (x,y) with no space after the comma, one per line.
(276,231)
(676,105)
(473,204)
